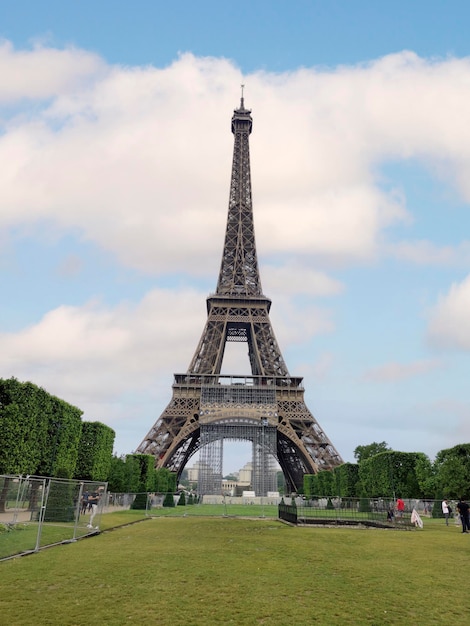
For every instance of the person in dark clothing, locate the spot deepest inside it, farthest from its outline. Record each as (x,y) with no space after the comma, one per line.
(463,509)
(84,502)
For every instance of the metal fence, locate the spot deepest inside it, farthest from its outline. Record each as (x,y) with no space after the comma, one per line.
(379,512)
(36,512)
(212,505)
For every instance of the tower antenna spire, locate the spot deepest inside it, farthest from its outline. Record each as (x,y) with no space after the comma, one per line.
(242,100)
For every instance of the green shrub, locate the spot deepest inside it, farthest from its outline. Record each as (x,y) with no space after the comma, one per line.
(140,502)
(169,500)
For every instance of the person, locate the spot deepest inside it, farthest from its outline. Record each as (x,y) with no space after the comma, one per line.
(416,519)
(84,502)
(93,501)
(462,508)
(446,510)
(400,508)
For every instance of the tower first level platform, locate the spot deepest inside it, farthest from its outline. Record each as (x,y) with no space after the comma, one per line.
(239,403)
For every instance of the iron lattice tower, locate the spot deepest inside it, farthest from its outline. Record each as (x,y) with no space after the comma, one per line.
(265,407)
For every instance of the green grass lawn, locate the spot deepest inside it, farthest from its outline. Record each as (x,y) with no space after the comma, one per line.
(23,536)
(245,510)
(193,571)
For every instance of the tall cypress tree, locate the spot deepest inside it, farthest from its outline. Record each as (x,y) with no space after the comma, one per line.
(95,451)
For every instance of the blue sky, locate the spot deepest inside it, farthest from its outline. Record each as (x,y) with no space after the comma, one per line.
(116,151)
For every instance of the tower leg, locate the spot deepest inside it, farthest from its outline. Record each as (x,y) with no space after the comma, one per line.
(210,463)
(264,473)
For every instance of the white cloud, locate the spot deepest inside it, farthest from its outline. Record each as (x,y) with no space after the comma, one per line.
(427,253)
(297,323)
(323,225)
(43,73)
(138,159)
(295,277)
(449,322)
(392,372)
(94,351)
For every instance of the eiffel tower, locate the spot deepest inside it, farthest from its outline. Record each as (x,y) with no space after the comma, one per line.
(265,407)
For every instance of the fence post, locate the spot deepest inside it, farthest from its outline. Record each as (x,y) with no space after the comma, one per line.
(20,490)
(78,511)
(42,511)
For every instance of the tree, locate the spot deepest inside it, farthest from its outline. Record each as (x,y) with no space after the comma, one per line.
(390,474)
(59,448)
(39,433)
(140,502)
(165,481)
(310,485)
(326,483)
(143,472)
(19,434)
(426,476)
(361,453)
(281,482)
(60,503)
(132,474)
(68,424)
(347,478)
(230,477)
(117,480)
(169,500)
(95,451)
(22,427)
(452,468)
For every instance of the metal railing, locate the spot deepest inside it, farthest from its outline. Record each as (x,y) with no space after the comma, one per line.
(378,512)
(36,512)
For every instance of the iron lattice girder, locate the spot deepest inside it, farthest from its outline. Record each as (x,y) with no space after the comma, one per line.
(242,320)
(302,446)
(239,273)
(240,312)
(264,449)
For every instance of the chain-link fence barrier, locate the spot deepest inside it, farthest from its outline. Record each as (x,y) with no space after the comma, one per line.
(36,512)
(190,504)
(309,510)
(381,512)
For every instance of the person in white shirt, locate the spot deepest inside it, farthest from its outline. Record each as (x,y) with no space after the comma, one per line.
(93,501)
(446,510)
